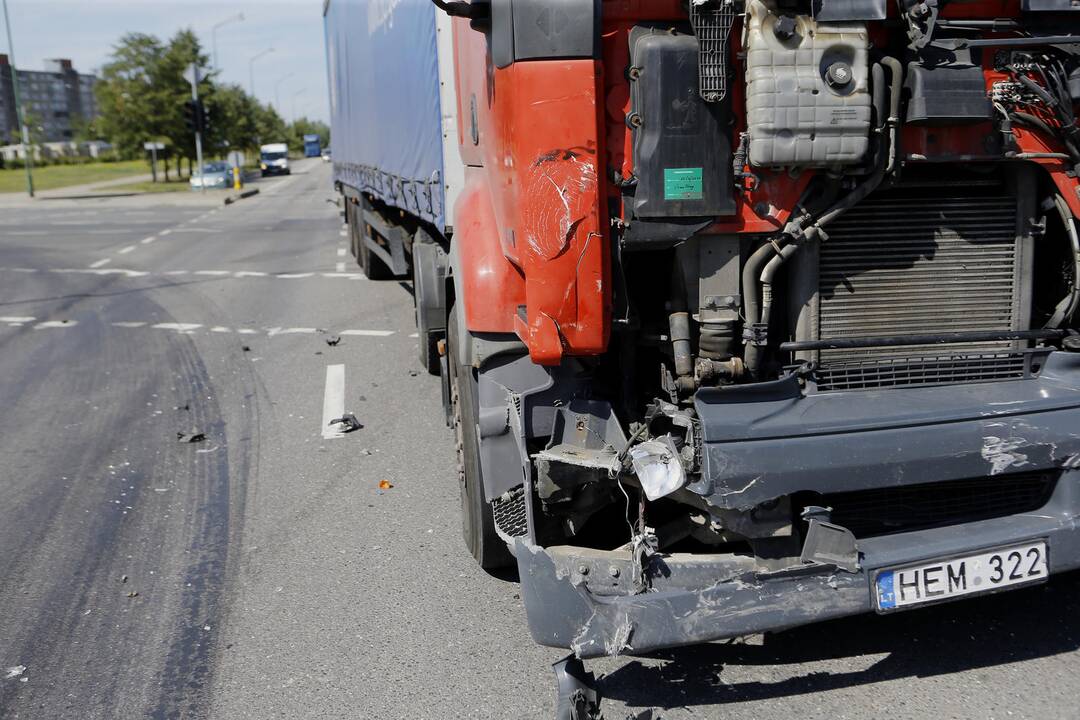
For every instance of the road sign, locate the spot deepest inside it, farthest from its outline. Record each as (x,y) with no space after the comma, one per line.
(153,146)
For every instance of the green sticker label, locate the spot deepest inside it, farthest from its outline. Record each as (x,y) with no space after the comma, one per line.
(682,184)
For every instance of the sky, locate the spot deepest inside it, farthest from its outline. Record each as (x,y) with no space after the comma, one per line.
(292,77)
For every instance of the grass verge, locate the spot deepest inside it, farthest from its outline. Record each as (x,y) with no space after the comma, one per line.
(57,176)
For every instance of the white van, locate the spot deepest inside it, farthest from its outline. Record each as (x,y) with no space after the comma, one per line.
(274,159)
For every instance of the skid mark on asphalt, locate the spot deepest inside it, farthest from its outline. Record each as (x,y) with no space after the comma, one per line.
(191,328)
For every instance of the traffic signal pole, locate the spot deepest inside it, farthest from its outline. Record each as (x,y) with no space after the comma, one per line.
(28,160)
(198,122)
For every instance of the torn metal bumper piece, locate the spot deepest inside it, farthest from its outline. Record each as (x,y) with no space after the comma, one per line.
(584,600)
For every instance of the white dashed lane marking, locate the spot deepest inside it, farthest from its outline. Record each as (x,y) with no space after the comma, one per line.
(125,250)
(333,400)
(100,263)
(98,269)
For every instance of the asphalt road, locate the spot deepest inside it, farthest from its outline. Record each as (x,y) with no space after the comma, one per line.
(262,572)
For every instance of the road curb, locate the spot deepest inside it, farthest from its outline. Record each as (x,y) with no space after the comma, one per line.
(246,194)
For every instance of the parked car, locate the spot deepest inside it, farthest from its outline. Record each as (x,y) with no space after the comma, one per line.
(217,175)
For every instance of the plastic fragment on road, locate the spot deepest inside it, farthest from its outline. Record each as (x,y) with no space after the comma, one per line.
(385,485)
(348,423)
(190,438)
(333,340)
(14,672)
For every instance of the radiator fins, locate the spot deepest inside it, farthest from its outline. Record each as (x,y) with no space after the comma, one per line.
(935,262)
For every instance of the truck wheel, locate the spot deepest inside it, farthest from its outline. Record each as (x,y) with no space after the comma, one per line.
(477,520)
(374,268)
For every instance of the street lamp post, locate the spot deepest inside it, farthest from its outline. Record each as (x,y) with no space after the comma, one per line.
(213,33)
(28,161)
(251,69)
(277,88)
(298,92)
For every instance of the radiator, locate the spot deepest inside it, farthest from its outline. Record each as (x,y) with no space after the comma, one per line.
(930,259)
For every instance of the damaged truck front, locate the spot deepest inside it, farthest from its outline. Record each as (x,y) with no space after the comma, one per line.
(761,311)
(754,312)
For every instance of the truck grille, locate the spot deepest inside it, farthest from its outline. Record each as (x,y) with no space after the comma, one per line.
(905,508)
(927,370)
(929,259)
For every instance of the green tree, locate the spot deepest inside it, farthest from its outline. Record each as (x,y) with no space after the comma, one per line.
(130,106)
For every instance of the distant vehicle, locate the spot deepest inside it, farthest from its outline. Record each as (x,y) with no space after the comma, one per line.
(274,159)
(326,155)
(312,146)
(214,175)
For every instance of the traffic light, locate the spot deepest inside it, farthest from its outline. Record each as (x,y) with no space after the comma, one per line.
(195,116)
(204,119)
(191,115)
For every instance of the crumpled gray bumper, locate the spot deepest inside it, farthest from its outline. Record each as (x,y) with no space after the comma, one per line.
(765,446)
(564,612)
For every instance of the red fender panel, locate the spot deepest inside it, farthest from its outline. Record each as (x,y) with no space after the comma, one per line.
(490,287)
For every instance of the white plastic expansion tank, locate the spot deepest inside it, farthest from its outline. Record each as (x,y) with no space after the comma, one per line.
(807,90)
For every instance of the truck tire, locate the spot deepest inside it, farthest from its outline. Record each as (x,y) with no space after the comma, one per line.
(477,520)
(374,268)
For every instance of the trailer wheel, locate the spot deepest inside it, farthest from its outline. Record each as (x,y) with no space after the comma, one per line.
(374,268)
(477,520)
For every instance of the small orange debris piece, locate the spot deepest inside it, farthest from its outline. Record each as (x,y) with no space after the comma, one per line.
(385,485)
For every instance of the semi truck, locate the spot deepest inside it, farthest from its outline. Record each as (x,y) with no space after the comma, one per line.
(312,146)
(748,313)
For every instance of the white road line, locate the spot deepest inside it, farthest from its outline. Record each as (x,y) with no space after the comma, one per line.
(291,276)
(247,331)
(148,240)
(333,400)
(415,335)
(249,273)
(29,232)
(220,329)
(128,324)
(368,333)
(341,252)
(343,233)
(125,250)
(163,233)
(213,272)
(55,324)
(291,331)
(179,327)
(101,263)
(176,272)
(340,267)
(348,275)
(16,319)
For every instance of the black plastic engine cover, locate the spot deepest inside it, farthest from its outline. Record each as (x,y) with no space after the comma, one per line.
(946,94)
(682,150)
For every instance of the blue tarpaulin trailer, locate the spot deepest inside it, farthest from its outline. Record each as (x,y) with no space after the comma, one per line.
(393,121)
(312,146)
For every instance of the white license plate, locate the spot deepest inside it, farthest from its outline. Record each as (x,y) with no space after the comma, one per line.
(938,580)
